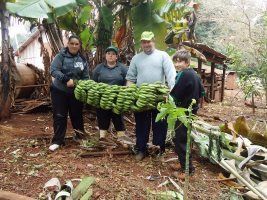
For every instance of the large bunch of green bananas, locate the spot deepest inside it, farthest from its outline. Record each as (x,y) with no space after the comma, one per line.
(94,93)
(121,99)
(150,94)
(81,89)
(126,99)
(109,96)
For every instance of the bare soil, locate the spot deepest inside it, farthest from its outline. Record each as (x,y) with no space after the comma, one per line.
(26,164)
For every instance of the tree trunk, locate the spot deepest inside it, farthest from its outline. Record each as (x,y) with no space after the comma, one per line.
(5,99)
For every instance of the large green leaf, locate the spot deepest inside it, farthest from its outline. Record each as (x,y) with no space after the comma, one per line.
(29,8)
(167,7)
(144,19)
(106,14)
(85,37)
(61,7)
(68,22)
(82,2)
(84,15)
(40,8)
(158,4)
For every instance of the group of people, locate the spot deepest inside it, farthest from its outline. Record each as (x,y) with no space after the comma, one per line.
(149,66)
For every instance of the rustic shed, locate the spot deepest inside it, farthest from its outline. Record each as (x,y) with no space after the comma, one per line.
(213,79)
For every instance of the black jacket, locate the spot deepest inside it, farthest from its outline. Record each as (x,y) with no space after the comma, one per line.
(187,86)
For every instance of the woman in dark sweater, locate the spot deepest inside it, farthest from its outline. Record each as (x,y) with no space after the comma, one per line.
(67,66)
(111,72)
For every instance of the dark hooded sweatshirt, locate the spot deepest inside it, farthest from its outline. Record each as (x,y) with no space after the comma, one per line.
(66,66)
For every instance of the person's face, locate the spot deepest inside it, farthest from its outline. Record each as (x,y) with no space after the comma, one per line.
(147,45)
(111,57)
(180,64)
(74,45)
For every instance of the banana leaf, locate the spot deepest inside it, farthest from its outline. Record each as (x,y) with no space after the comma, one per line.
(82,188)
(241,127)
(40,8)
(84,15)
(106,14)
(167,195)
(145,18)
(68,22)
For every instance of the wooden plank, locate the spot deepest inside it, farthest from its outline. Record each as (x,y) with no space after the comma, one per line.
(223,82)
(27,86)
(4,195)
(199,67)
(104,153)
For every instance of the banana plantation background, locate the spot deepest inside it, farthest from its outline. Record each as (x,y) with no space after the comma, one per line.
(235,28)
(101,23)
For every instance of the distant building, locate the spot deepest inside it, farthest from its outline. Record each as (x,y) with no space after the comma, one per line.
(30,50)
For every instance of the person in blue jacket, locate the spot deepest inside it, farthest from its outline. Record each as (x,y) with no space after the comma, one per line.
(67,66)
(110,72)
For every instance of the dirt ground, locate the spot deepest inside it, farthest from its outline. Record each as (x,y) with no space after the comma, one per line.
(26,164)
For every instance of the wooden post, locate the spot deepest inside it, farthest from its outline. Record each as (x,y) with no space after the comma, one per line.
(5,100)
(199,67)
(223,82)
(212,74)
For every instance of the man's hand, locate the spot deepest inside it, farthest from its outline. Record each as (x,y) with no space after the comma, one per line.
(128,83)
(70,83)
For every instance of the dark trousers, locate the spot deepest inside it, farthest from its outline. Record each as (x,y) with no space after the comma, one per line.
(143,124)
(64,104)
(180,141)
(105,116)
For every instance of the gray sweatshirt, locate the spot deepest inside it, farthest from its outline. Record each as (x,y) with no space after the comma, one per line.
(66,66)
(151,68)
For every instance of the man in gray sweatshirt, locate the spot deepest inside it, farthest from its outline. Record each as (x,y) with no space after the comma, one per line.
(150,66)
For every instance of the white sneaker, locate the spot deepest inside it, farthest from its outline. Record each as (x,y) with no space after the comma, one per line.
(53,147)
(102,134)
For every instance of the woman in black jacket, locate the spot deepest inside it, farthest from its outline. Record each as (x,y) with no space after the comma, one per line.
(111,72)
(67,66)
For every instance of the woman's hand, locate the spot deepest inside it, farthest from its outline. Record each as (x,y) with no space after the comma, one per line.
(70,83)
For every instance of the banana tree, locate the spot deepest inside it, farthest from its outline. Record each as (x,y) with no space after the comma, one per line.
(181,18)
(146,17)
(48,10)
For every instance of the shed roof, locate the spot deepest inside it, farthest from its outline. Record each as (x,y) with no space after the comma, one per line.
(27,42)
(210,54)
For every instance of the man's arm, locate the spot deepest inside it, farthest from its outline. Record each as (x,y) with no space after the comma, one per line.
(128,83)
(131,76)
(169,70)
